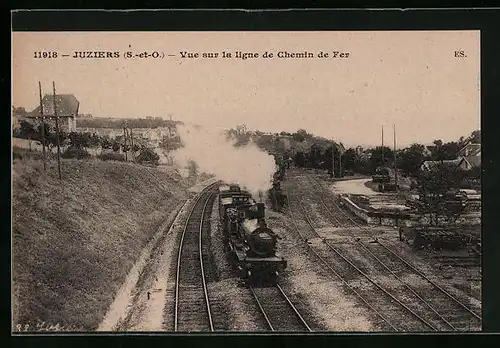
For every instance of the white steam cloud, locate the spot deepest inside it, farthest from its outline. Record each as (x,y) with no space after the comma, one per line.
(247,165)
(162,158)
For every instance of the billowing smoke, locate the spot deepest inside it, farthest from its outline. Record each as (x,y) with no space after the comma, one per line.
(247,165)
(162,158)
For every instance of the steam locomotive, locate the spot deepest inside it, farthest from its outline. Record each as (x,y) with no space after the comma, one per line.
(382,175)
(251,244)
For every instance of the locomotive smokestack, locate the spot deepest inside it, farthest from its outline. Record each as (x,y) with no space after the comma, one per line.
(262,223)
(261,210)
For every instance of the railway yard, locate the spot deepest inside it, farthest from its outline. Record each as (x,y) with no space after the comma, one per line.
(341,275)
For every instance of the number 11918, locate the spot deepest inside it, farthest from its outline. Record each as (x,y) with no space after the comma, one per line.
(40,54)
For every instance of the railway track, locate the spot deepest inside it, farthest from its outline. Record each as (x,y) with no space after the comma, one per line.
(380,299)
(329,267)
(448,312)
(278,311)
(192,303)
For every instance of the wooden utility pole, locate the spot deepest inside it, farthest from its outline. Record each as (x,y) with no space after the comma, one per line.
(132,144)
(333,160)
(43,125)
(340,162)
(382,149)
(125,139)
(57,132)
(395,167)
(76,115)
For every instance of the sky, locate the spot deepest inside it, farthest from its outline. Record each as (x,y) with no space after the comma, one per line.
(411,79)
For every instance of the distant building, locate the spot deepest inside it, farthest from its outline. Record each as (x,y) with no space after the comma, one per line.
(341,147)
(430,166)
(84,116)
(66,106)
(429,150)
(472,154)
(365,155)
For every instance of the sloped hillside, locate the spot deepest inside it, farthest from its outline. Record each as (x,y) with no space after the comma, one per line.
(75,240)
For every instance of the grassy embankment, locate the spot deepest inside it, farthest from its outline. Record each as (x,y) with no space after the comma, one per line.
(75,241)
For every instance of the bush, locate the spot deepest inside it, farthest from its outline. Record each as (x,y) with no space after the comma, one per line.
(110,156)
(20,153)
(148,155)
(75,152)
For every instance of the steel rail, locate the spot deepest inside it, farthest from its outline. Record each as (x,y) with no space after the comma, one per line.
(293,307)
(181,245)
(261,308)
(340,277)
(366,275)
(207,300)
(288,301)
(389,270)
(399,257)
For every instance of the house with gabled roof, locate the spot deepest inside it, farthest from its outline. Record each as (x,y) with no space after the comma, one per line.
(66,106)
(472,153)
(461,163)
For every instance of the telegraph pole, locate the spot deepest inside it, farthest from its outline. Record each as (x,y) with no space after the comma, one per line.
(125,140)
(382,149)
(132,144)
(333,159)
(340,161)
(395,167)
(57,131)
(43,125)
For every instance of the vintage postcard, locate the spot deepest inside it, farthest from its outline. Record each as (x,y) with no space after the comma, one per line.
(284,181)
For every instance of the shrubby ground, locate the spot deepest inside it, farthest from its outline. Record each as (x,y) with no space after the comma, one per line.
(75,240)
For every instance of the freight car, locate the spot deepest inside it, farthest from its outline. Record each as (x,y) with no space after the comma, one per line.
(251,244)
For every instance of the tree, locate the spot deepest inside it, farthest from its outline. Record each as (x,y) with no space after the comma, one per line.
(106,142)
(79,140)
(27,131)
(411,158)
(116,146)
(349,158)
(147,155)
(300,135)
(241,129)
(381,156)
(475,137)
(52,138)
(75,152)
(434,187)
(327,159)
(47,131)
(299,159)
(315,157)
(19,111)
(447,151)
(95,141)
(125,147)
(192,168)
(438,143)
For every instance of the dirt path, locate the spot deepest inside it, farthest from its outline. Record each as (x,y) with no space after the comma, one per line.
(128,297)
(355,186)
